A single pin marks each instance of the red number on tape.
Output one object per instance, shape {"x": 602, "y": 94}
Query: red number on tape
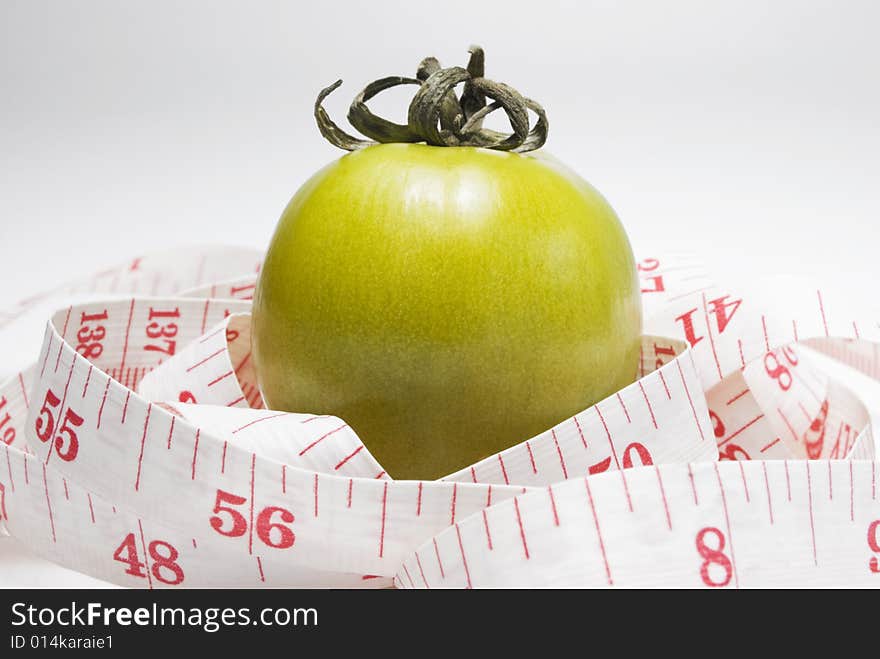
{"x": 286, "y": 538}
{"x": 168, "y": 562}
{"x": 649, "y": 265}
{"x": 874, "y": 545}
{"x": 641, "y": 451}
{"x": 713, "y": 557}
{"x": 89, "y": 337}
{"x": 850, "y": 437}
{"x": 669, "y": 351}
{"x": 722, "y": 310}
{"x": 239, "y": 523}
{"x": 71, "y": 420}
{"x": 45, "y": 425}
{"x": 8, "y": 434}
{"x": 186, "y": 397}
{"x": 163, "y": 562}
{"x": 162, "y": 331}
{"x": 599, "y": 467}
{"x": 264, "y": 524}
{"x": 129, "y": 547}
{"x": 814, "y": 437}
{"x": 3, "y": 514}
{"x": 730, "y": 452}
{"x": 717, "y": 425}
{"x": 777, "y": 371}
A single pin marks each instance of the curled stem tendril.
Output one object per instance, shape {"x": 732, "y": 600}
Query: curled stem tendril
{"x": 436, "y": 115}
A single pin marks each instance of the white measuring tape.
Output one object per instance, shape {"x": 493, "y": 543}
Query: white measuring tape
{"x": 137, "y": 450}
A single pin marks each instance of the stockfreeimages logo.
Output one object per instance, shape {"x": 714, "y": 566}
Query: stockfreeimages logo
{"x": 95, "y": 614}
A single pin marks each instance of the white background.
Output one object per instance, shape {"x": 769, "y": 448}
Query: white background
{"x": 744, "y": 130}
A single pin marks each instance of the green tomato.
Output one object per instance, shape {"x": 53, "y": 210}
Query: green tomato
{"x": 446, "y": 302}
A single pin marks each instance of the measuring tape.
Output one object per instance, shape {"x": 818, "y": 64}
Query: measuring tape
{"x": 137, "y": 449}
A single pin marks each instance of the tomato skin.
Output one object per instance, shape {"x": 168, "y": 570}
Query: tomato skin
{"x": 446, "y": 302}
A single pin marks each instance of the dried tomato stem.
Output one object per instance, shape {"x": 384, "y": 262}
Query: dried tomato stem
{"x": 436, "y": 115}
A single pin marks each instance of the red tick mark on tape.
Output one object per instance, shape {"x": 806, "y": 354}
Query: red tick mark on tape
{"x": 771, "y": 444}
{"x": 690, "y": 400}
{"x": 127, "y": 333}
{"x": 810, "y": 505}
{"x": 742, "y": 472}
{"x": 625, "y": 411}
{"x": 452, "y": 506}
{"x": 103, "y": 402}
{"x": 467, "y": 572}
{"x": 9, "y": 468}
{"x": 382, "y": 529}
{"x": 486, "y": 526}
{"x": 406, "y": 572}
{"x": 49, "y": 504}
{"x": 559, "y": 453}
{"x": 744, "y": 428}
{"x": 195, "y": 453}
{"x": 146, "y": 555}
{"x": 852, "y": 503}
{"x": 315, "y": 487}
{"x": 503, "y": 470}
{"x": 665, "y": 386}
{"x": 63, "y": 335}
{"x": 553, "y": 505}
{"x": 727, "y": 524}
{"x": 439, "y": 562}
{"x": 125, "y": 406}
{"x": 648, "y": 403}
{"x": 830, "y": 485}
{"x": 767, "y": 485}
{"x": 348, "y": 457}
{"x": 822, "y": 311}
{"x": 663, "y": 497}
{"x": 220, "y": 378}
{"x": 522, "y": 532}
{"x": 693, "y": 485}
{"x": 421, "y": 571}
{"x": 24, "y": 391}
{"x": 210, "y": 336}
{"x": 206, "y": 359}
{"x": 137, "y": 480}
{"x": 599, "y": 532}
{"x": 205, "y": 315}
{"x": 787, "y": 424}
{"x": 85, "y": 386}
{"x": 265, "y": 418}
{"x": 322, "y": 438}
{"x": 531, "y": 457}
{"x": 580, "y": 431}
{"x": 46, "y": 358}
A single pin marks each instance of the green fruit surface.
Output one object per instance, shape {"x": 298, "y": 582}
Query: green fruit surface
{"x": 446, "y": 302}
